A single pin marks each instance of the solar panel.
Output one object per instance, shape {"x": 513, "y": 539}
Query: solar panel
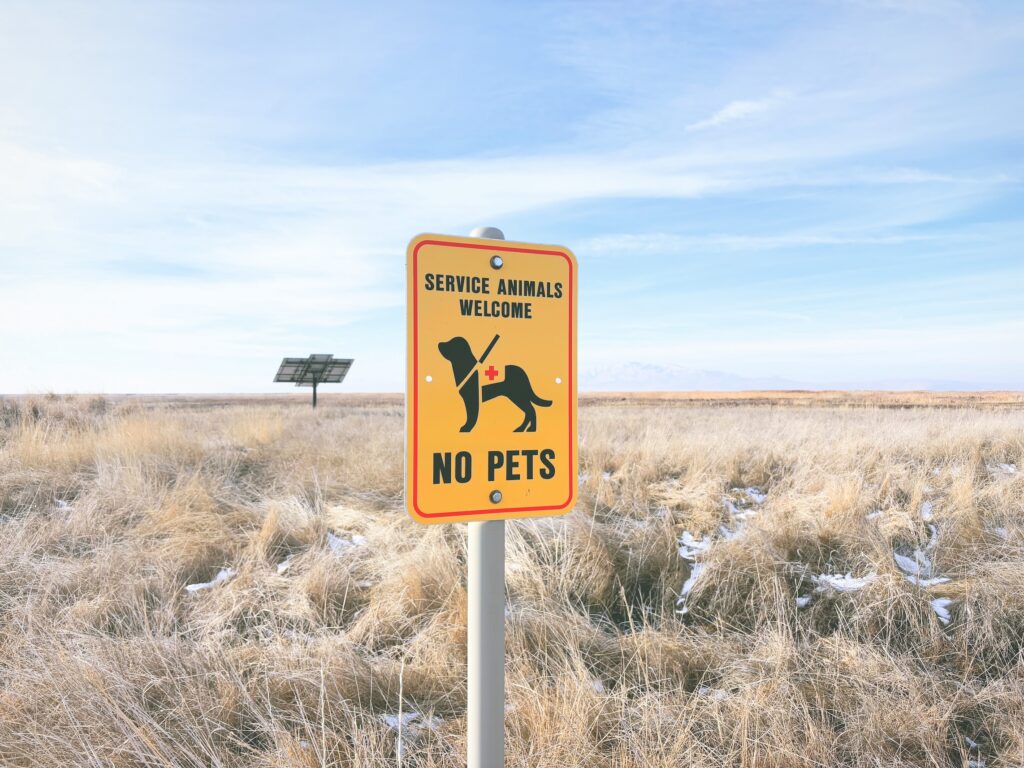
{"x": 313, "y": 370}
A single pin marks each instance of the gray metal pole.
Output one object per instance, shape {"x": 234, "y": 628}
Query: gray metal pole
{"x": 486, "y": 631}
{"x": 486, "y": 645}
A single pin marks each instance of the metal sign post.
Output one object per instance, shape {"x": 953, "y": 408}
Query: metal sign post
{"x": 491, "y": 429}
{"x": 485, "y": 651}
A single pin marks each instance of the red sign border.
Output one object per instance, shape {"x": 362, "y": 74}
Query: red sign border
{"x": 416, "y": 379}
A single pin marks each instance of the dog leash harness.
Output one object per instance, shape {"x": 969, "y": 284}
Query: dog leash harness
{"x": 479, "y": 362}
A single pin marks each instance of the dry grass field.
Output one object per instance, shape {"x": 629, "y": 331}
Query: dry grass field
{"x": 745, "y": 582}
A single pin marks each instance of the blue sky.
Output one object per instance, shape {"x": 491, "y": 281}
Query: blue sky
{"x": 819, "y": 194}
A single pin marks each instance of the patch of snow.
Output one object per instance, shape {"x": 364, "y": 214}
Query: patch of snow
{"x": 874, "y": 515}
{"x": 918, "y": 565}
{"x": 284, "y": 565}
{"x": 584, "y": 477}
{"x": 223, "y": 575}
{"x": 606, "y": 475}
{"x": 742, "y": 509}
{"x": 803, "y": 602}
{"x": 843, "y": 583}
{"x": 410, "y": 727}
{"x": 695, "y": 572}
{"x": 928, "y": 582}
{"x": 917, "y": 568}
{"x": 756, "y": 495}
{"x": 339, "y": 545}
{"x": 927, "y": 511}
{"x": 597, "y": 685}
{"x": 728, "y": 533}
{"x": 941, "y": 607}
{"x": 1002, "y": 533}
{"x": 397, "y": 721}
{"x": 62, "y": 505}
{"x": 973, "y": 746}
{"x": 1002, "y": 469}
{"x": 689, "y": 547}
{"x": 716, "y": 693}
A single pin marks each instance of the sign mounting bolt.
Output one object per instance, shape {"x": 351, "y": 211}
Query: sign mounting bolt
{"x": 495, "y": 497}
{"x": 497, "y": 262}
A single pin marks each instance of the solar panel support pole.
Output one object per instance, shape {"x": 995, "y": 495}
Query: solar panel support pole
{"x": 313, "y": 371}
{"x": 486, "y": 631}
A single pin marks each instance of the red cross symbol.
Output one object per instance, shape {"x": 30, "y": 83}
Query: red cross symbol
{"x": 490, "y": 373}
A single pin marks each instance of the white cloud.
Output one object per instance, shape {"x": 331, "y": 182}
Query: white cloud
{"x": 737, "y": 110}
{"x": 662, "y": 243}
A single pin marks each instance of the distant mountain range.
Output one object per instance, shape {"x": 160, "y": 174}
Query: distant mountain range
{"x": 652, "y": 377}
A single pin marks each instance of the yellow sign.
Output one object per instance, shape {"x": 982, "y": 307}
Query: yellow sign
{"x": 491, "y": 379}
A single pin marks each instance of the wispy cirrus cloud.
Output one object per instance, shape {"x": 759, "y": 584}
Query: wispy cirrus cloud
{"x": 739, "y": 110}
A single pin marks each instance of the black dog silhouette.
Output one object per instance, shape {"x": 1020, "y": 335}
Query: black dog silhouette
{"x": 516, "y": 386}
